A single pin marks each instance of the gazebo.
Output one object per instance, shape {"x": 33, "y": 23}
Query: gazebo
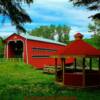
{"x": 79, "y": 76}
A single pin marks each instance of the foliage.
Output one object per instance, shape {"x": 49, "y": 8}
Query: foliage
{"x": 95, "y": 28}
{"x": 1, "y": 48}
{"x": 96, "y": 39}
{"x": 13, "y": 9}
{"x": 95, "y": 62}
{"x": 49, "y": 32}
{"x": 94, "y": 42}
{"x": 18, "y": 80}
{"x": 90, "y": 41}
{"x": 90, "y": 4}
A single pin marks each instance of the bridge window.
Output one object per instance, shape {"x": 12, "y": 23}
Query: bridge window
{"x": 42, "y": 52}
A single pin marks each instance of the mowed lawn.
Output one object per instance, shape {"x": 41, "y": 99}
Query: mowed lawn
{"x": 18, "y": 80}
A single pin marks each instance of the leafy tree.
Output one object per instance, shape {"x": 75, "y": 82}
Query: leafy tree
{"x": 1, "y": 47}
{"x": 90, "y": 4}
{"x": 92, "y": 28}
{"x": 13, "y": 9}
{"x": 95, "y": 27}
{"x": 49, "y": 32}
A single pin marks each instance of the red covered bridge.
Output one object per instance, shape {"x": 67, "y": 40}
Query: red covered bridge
{"x": 34, "y": 50}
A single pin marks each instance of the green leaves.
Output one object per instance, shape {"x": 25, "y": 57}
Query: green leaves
{"x": 90, "y": 4}
{"x": 49, "y": 32}
{"x": 95, "y": 28}
{"x": 17, "y": 15}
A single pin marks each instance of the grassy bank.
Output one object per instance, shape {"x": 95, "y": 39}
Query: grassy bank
{"x": 18, "y": 80}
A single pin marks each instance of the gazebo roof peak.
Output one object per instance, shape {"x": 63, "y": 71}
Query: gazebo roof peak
{"x": 78, "y": 36}
{"x": 80, "y": 48}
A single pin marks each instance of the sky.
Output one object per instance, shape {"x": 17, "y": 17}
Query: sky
{"x": 56, "y": 12}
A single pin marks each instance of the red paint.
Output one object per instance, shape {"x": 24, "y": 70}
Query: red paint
{"x": 69, "y": 60}
{"x": 79, "y": 48}
{"x": 80, "y": 79}
{"x": 28, "y": 52}
{"x": 40, "y": 62}
{"x": 73, "y": 79}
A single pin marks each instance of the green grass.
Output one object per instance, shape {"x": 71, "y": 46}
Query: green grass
{"x": 18, "y": 80}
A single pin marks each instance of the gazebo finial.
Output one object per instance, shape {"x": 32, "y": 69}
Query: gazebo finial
{"x": 78, "y": 36}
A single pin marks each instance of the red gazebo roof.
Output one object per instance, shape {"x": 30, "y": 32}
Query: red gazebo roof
{"x": 79, "y": 48}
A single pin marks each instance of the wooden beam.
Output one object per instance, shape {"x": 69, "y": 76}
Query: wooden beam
{"x": 7, "y": 50}
{"x": 90, "y": 63}
{"x": 56, "y": 69}
{"x": 99, "y": 63}
{"x": 75, "y": 65}
{"x": 84, "y": 62}
{"x": 83, "y": 72}
{"x": 63, "y": 68}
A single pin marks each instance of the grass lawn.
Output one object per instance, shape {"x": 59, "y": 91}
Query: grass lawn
{"x": 18, "y": 80}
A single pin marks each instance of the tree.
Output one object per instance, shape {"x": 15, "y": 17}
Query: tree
{"x": 95, "y": 27}
{"x": 1, "y": 47}
{"x": 90, "y": 4}
{"x": 92, "y": 28}
{"x": 50, "y": 31}
{"x": 17, "y": 15}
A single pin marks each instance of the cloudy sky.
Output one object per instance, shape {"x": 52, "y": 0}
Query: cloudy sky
{"x": 57, "y": 12}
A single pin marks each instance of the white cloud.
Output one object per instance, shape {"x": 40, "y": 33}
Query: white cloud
{"x": 76, "y": 30}
{"x": 45, "y": 12}
{"x": 5, "y": 34}
{"x": 63, "y": 10}
{"x": 50, "y": 1}
{"x": 7, "y": 28}
{"x": 72, "y": 16}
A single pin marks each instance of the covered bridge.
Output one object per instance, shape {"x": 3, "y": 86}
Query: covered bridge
{"x": 34, "y": 50}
